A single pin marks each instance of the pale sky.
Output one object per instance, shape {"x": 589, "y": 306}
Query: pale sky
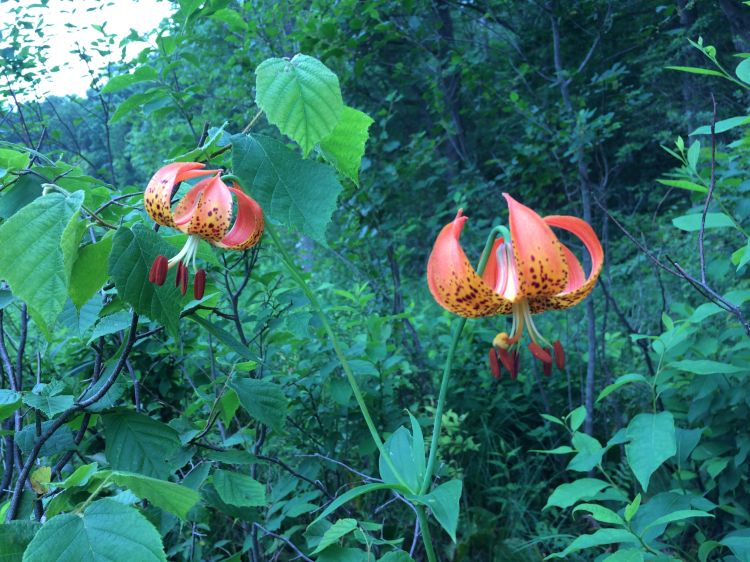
{"x": 121, "y": 16}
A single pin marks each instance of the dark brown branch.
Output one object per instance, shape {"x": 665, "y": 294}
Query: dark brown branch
{"x": 65, "y": 416}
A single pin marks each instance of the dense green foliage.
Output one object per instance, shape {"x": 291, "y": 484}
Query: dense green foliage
{"x": 141, "y": 424}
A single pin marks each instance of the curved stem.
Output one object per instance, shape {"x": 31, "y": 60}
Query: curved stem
{"x": 297, "y": 276}
{"x": 426, "y": 537}
{"x": 458, "y": 327}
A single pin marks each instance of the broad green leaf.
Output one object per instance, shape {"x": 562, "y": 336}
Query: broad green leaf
{"x": 61, "y": 440}
{"x": 301, "y": 194}
{"x": 337, "y": 553}
{"x": 265, "y": 401}
{"x": 137, "y": 443}
{"x": 171, "y": 497}
{"x": 26, "y": 189}
{"x": 301, "y": 96}
{"x": 106, "y": 532}
{"x": 443, "y": 501}
{"x": 589, "y": 454}
{"x": 364, "y": 368}
{"x": 111, "y": 397}
{"x": 707, "y": 367}
{"x": 619, "y": 383}
{"x": 89, "y": 271}
{"x": 677, "y": 516}
{"x": 345, "y": 146}
{"x": 600, "y": 513}
{"x": 111, "y": 324}
{"x": 571, "y": 493}
{"x": 577, "y": 417}
{"x": 353, "y": 494}
{"x": 705, "y": 549}
{"x": 133, "y": 252}
{"x": 743, "y": 71}
{"x": 696, "y": 70}
{"x": 652, "y": 441}
{"x": 49, "y": 405}
{"x": 6, "y": 298}
{"x": 232, "y": 18}
{"x": 141, "y": 74}
{"x": 723, "y": 126}
{"x": 399, "y": 449}
{"x": 9, "y": 402}
{"x": 335, "y": 532}
{"x": 238, "y": 489}
{"x": 33, "y": 263}
{"x": 396, "y": 556}
{"x": 137, "y": 101}
{"x": 739, "y": 543}
{"x": 625, "y": 555}
{"x": 80, "y": 477}
{"x": 692, "y": 223}
{"x": 12, "y": 160}
{"x": 600, "y": 537}
{"x": 14, "y": 537}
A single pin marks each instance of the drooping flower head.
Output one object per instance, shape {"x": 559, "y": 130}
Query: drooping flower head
{"x": 530, "y": 273}
{"x": 205, "y": 212}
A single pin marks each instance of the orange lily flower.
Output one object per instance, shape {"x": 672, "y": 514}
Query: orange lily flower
{"x": 530, "y": 273}
{"x": 205, "y": 212}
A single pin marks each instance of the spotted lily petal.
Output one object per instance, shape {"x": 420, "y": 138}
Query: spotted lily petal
{"x": 206, "y": 210}
{"x": 158, "y": 195}
{"x": 248, "y": 226}
{"x": 453, "y": 281}
{"x": 539, "y": 255}
{"x": 575, "y": 294}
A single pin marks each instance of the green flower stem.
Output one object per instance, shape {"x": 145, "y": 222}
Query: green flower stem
{"x": 458, "y": 327}
{"x": 297, "y": 276}
{"x": 425, "y": 530}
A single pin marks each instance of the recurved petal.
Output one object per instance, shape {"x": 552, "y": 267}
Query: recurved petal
{"x": 158, "y": 195}
{"x": 453, "y": 282}
{"x": 248, "y": 226}
{"x": 576, "y": 276}
{"x": 572, "y": 296}
{"x": 539, "y": 256}
{"x": 206, "y": 210}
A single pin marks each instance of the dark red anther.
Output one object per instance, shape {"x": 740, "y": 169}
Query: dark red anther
{"x": 178, "y": 275}
{"x": 158, "y": 273}
{"x": 199, "y": 284}
{"x": 494, "y": 364}
{"x": 516, "y": 364}
{"x": 540, "y": 353}
{"x": 183, "y": 274}
{"x": 559, "y": 355}
{"x": 547, "y": 369}
{"x": 509, "y": 360}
